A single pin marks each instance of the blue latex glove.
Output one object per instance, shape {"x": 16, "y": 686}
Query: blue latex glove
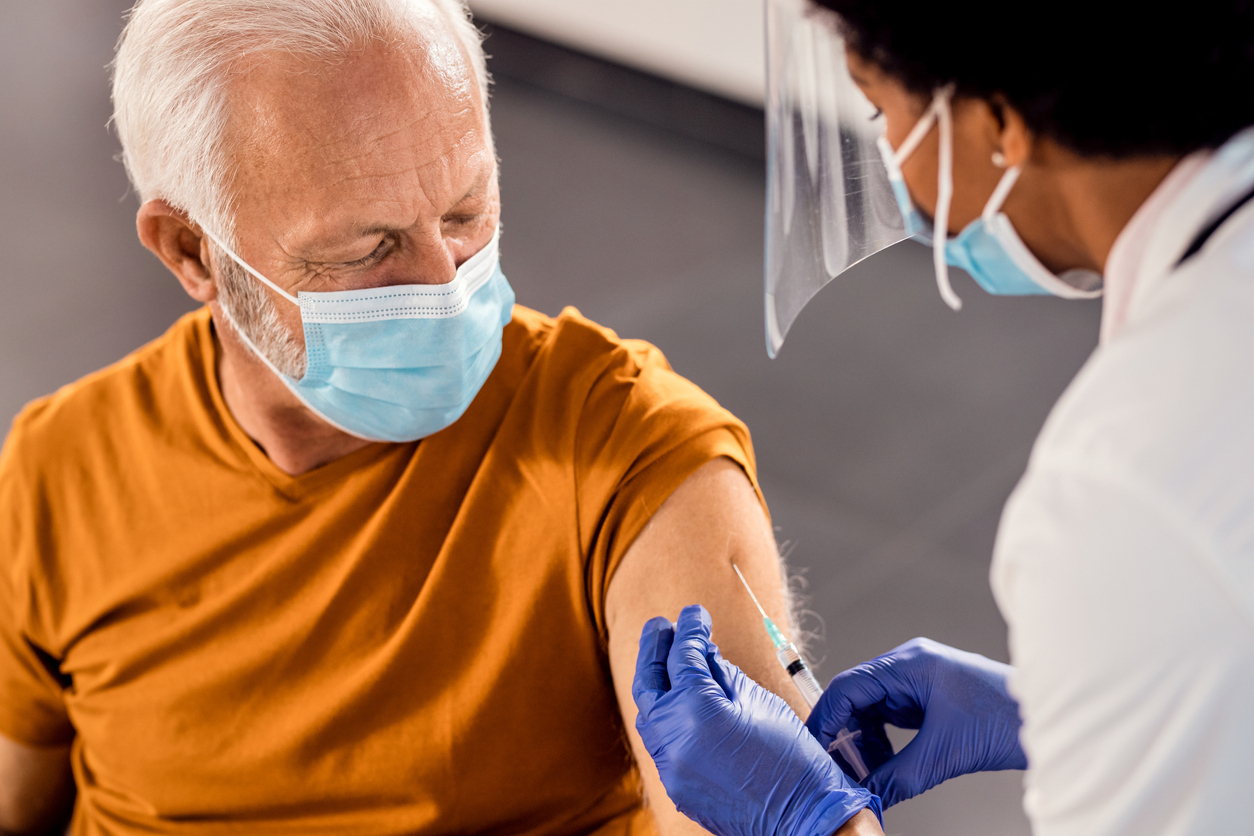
{"x": 732, "y": 755}
{"x": 966, "y": 718}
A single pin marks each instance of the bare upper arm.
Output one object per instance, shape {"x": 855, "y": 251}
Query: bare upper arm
{"x": 683, "y": 557}
{"x": 36, "y": 786}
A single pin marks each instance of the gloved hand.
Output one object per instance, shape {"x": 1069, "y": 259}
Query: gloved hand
{"x": 732, "y": 755}
{"x": 967, "y": 720}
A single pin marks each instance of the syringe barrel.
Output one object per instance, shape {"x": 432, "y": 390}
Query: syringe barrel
{"x": 791, "y": 659}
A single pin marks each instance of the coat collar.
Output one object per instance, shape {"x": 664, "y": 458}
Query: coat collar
{"x": 1145, "y": 254}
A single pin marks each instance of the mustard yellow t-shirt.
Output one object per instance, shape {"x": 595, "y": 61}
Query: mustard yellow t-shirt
{"x": 407, "y": 640}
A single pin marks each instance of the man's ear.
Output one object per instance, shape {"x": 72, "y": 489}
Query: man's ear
{"x": 180, "y": 245}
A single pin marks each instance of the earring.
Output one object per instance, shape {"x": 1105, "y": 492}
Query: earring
{"x": 999, "y": 159}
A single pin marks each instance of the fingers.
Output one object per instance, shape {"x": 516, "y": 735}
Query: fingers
{"x": 874, "y": 744}
{"x": 651, "y": 680}
{"x": 724, "y": 672}
{"x": 908, "y": 773}
{"x": 688, "y": 664}
{"x": 887, "y": 783}
{"x": 850, "y": 692}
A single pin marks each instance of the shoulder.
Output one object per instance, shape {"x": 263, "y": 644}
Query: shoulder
{"x": 1171, "y": 400}
{"x": 613, "y": 399}
{"x": 132, "y": 394}
{"x": 1164, "y": 415}
{"x": 576, "y": 361}
{"x": 571, "y": 344}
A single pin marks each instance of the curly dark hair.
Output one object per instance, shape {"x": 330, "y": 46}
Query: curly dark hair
{"x": 1101, "y": 77}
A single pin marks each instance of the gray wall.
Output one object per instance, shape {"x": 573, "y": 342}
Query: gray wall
{"x": 79, "y": 291}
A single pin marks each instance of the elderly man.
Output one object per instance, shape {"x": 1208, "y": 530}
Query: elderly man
{"x": 359, "y": 547}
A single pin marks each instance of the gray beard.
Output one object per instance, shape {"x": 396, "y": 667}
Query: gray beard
{"x": 250, "y": 311}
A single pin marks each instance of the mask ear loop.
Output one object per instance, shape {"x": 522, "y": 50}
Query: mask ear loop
{"x": 999, "y": 195}
{"x": 289, "y": 297}
{"x": 917, "y": 133}
{"x": 944, "y": 197}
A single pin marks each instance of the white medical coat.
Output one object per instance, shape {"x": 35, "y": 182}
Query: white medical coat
{"x": 1124, "y": 564}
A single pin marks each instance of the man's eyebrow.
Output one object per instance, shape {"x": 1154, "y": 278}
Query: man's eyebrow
{"x": 378, "y": 229}
{"x": 480, "y": 184}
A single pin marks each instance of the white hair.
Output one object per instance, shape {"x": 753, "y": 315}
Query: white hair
{"x": 174, "y": 64}
{"x": 252, "y": 314}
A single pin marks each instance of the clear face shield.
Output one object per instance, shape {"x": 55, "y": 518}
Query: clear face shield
{"x": 829, "y": 202}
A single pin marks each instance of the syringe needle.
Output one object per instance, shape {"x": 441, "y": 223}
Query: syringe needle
{"x": 750, "y": 591}
{"x": 786, "y": 652}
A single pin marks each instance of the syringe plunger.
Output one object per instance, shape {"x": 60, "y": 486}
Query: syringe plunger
{"x": 810, "y": 692}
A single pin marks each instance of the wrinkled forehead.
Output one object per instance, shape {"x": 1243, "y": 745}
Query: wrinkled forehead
{"x": 370, "y": 124}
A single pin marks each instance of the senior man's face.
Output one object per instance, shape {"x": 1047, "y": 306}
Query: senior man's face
{"x": 375, "y": 171}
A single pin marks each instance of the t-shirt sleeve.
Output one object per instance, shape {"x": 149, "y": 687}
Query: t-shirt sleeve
{"x": 32, "y": 708}
{"x": 643, "y": 431}
{"x": 1134, "y": 659}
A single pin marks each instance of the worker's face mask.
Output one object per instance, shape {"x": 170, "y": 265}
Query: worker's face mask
{"x": 402, "y": 362}
{"x": 988, "y": 248}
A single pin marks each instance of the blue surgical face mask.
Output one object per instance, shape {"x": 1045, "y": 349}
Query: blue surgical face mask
{"x": 399, "y": 363}
{"x": 988, "y": 248}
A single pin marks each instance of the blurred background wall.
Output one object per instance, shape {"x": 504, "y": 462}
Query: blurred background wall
{"x": 888, "y": 433}
{"x": 715, "y": 45}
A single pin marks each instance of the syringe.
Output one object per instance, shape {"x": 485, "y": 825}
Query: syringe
{"x": 809, "y": 687}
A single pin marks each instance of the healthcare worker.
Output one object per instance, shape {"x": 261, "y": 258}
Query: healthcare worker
{"x": 1065, "y": 148}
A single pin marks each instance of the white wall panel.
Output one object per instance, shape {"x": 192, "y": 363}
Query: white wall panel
{"x": 716, "y": 45}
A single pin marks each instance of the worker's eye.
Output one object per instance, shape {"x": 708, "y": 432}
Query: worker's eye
{"x": 879, "y": 111}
